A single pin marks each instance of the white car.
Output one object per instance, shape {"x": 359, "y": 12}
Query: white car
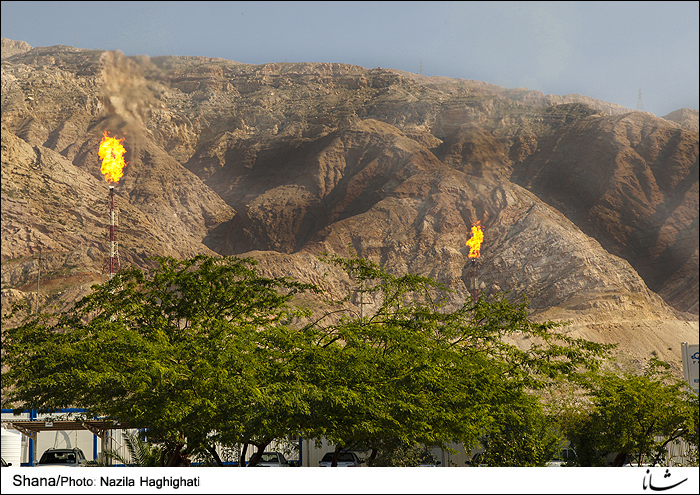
{"x": 345, "y": 459}
{"x": 62, "y": 458}
{"x": 272, "y": 459}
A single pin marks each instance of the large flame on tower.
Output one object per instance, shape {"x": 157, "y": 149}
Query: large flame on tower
{"x": 112, "y": 154}
{"x": 475, "y": 242}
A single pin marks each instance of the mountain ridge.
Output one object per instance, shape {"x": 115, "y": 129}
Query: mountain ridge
{"x": 589, "y": 211}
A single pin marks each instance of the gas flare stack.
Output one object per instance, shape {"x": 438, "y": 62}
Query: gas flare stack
{"x": 112, "y": 154}
{"x": 474, "y": 279}
{"x": 111, "y": 265}
{"x": 474, "y": 244}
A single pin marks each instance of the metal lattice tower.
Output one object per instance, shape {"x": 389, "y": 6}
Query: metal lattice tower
{"x": 640, "y": 104}
{"x": 474, "y": 279}
{"x": 111, "y": 265}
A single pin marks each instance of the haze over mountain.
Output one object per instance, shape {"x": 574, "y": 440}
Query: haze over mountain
{"x": 589, "y": 209}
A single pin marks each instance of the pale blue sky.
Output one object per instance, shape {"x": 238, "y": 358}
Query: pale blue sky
{"x": 605, "y": 50}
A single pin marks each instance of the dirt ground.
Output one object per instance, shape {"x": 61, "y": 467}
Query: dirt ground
{"x": 637, "y": 340}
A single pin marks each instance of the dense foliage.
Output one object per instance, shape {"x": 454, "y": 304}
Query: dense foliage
{"x": 411, "y": 372}
{"x": 207, "y": 351}
{"x": 393, "y": 453}
{"x": 180, "y": 350}
{"x": 523, "y": 437}
{"x": 633, "y": 416}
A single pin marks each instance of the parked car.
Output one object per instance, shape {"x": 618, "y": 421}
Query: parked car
{"x": 345, "y": 459}
{"x": 565, "y": 455}
{"x": 272, "y": 459}
{"x": 63, "y": 457}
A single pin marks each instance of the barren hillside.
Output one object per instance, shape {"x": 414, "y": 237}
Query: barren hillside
{"x": 589, "y": 209}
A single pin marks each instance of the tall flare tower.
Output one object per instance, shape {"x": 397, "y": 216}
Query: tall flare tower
{"x": 474, "y": 244}
{"x": 112, "y": 154}
{"x": 111, "y": 265}
{"x": 474, "y": 279}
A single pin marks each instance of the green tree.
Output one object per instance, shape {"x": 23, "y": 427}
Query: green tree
{"x": 184, "y": 350}
{"x": 636, "y": 415}
{"x": 277, "y": 395}
{"x": 413, "y": 373}
{"x": 206, "y": 351}
{"x": 525, "y": 436}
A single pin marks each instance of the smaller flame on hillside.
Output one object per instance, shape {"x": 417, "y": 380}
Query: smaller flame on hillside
{"x": 112, "y": 154}
{"x": 475, "y": 242}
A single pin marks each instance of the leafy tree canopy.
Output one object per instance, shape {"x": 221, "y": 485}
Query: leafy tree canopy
{"x": 412, "y": 372}
{"x": 206, "y": 350}
{"x": 636, "y": 415}
{"x": 523, "y": 437}
{"x": 185, "y": 350}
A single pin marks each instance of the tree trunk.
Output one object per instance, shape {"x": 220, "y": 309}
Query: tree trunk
{"x": 185, "y": 457}
{"x": 619, "y": 459}
{"x": 174, "y": 459}
{"x": 212, "y": 450}
{"x": 258, "y": 454}
{"x": 241, "y": 460}
{"x": 336, "y": 453}
{"x": 372, "y": 457}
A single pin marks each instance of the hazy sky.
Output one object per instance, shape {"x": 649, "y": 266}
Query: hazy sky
{"x": 605, "y": 50}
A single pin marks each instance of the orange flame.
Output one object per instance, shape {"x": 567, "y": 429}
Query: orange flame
{"x": 475, "y": 242}
{"x": 112, "y": 154}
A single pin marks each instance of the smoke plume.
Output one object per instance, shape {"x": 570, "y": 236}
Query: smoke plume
{"x": 125, "y": 94}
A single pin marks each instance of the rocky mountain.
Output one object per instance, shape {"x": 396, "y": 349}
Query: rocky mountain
{"x": 12, "y": 47}
{"x": 589, "y": 209}
{"x": 686, "y": 117}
